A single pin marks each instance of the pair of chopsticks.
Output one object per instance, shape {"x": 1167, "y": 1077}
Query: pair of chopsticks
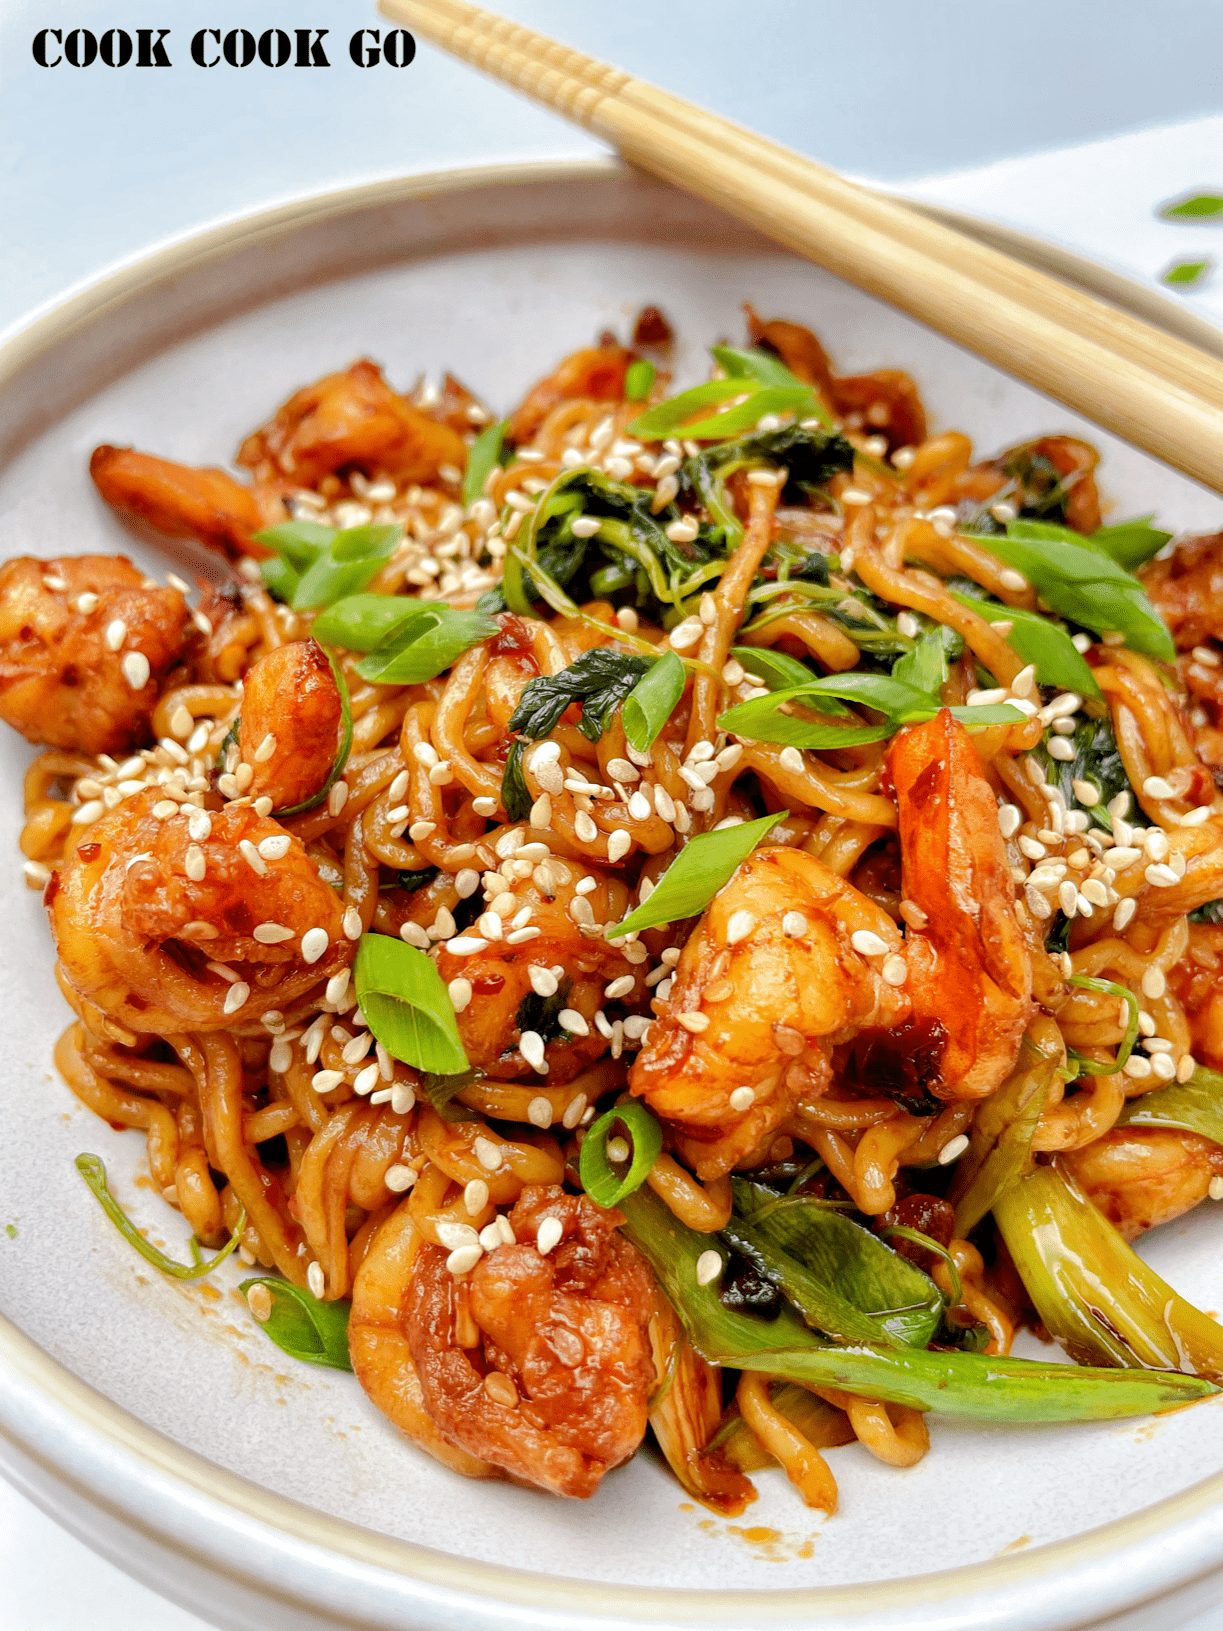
{"x": 1147, "y": 386}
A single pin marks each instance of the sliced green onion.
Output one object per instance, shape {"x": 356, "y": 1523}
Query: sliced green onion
{"x": 365, "y": 622}
{"x": 407, "y": 1006}
{"x": 92, "y": 1169}
{"x": 776, "y": 669}
{"x": 484, "y": 456}
{"x": 345, "y": 566}
{"x": 341, "y": 753}
{"x": 917, "y": 1238}
{"x": 302, "y": 1326}
{"x": 768, "y": 399}
{"x": 770, "y": 370}
{"x": 1195, "y": 1106}
{"x": 670, "y": 415}
{"x": 607, "y": 1185}
{"x": 298, "y": 542}
{"x": 652, "y": 700}
{"x": 1130, "y": 543}
{"x": 1193, "y": 207}
{"x": 701, "y": 868}
{"x": 1045, "y": 645}
{"x": 638, "y": 379}
{"x": 1192, "y": 270}
{"x": 279, "y": 578}
{"x": 1110, "y": 988}
{"x": 427, "y": 646}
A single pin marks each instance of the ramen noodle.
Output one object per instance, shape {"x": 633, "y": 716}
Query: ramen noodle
{"x": 678, "y": 911}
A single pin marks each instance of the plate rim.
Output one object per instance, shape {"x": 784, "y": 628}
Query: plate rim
{"x": 56, "y": 1429}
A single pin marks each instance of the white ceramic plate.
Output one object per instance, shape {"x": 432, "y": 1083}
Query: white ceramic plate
{"x": 155, "y": 1419}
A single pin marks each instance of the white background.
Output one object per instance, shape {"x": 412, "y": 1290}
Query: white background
{"x": 1040, "y": 115}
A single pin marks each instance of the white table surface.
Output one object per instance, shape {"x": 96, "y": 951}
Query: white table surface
{"x": 1070, "y": 121}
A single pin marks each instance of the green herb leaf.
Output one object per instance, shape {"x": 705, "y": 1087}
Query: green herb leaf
{"x": 92, "y": 1169}
{"x": 302, "y": 1326}
{"x": 1130, "y": 543}
{"x": 668, "y": 416}
{"x": 842, "y": 1279}
{"x": 1192, "y": 207}
{"x": 1096, "y": 1296}
{"x": 702, "y": 867}
{"x": 964, "y": 1386}
{"x": 652, "y": 700}
{"x": 298, "y": 542}
{"x": 776, "y": 669}
{"x": 638, "y": 379}
{"x": 365, "y": 622}
{"x": 515, "y": 794}
{"x": 341, "y": 752}
{"x": 407, "y": 1006}
{"x": 735, "y": 421}
{"x": 767, "y": 369}
{"x": 1195, "y": 1106}
{"x": 427, "y": 646}
{"x": 599, "y": 680}
{"x": 483, "y": 457}
{"x": 1084, "y": 583}
{"x": 606, "y": 1183}
{"x": 925, "y": 667}
{"x": 1097, "y": 760}
{"x": 1038, "y": 640}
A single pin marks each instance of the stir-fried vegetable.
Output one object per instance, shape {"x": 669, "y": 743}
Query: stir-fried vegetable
{"x": 316, "y": 565}
{"x": 1097, "y": 761}
{"x": 427, "y": 646}
{"x": 302, "y": 1326}
{"x": 598, "y": 681}
{"x": 93, "y": 1170}
{"x": 1195, "y": 1106}
{"x": 842, "y": 1279}
{"x": 1096, "y": 1296}
{"x": 607, "y": 1179}
{"x": 966, "y": 1386}
{"x": 483, "y": 459}
{"x": 696, "y": 874}
{"x": 1037, "y": 639}
{"x": 406, "y": 1005}
{"x": 652, "y": 700}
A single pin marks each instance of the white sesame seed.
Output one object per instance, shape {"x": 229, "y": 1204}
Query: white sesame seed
{"x": 743, "y": 1098}
{"x": 1215, "y": 1189}
{"x": 585, "y": 526}
{"x": 1155, "y": 787}
{"x": 324, "y": 1080}
{"x": 464, "y": 1258}
{"x": 465, "y": 945}
{"x": 867, "y": 943}
{"x": 1068, "y": 898}
{"x": 894, "y": 970}
{"x": 352, "y": 923}
{"x": 460, "y": 992}
{"x": 236, "y": 996}
{"x": 116, "y": 634}
{"x": 739, "y": 926}
{"x": 1155, "y": 841}
{"x": 792, "y": 760}
{"x": 539, "y": 1112}
{"x": 484, "y": 806}
{"x": 1164, "y": 1066}
{"x": 619, "y": 987}
{"x": 193, "y": 863}
{"x": 414, "y": 934}
{"x": 314, "y": 944}
{"x": 136, "y": 671}
{"x": 794, "y": 924}
{"x": 686, "y": 634}
{"x": 908, "y": 625}
{"x": 403, "y": 1098}
{"x": 1010, "y": 819}
{"x": 1186, "y": 1067}
{"x": 952, "y": 1150}
{"x": 1153, "y": 983}
{"x": 1012, "y": 580}
{"x": 1032, "y": 848}
{"x": 543, "y": 981}
{"x": 354, "y": 1051}
{"x": 1096, "y": 892}
{"x": 316, "y": 1280}
{"x": 574, "y": 1111}
{"x": 1124, "y": 913}
{"x": 1136, "y": 1066}
{"x": 692, "y": 1021}
{"x": 520, "y": 936}
{"x": 548, "y": 1235}
{"x": 1160, "y": 876}
{"x": 420, "y": 830}
{"x": 487, "y": 1153}
{"x": 399, "y": 1178}
{"x": 367, "y": 1080}
{"x": 573, "y": 1022}
{"x": 531, "y": 1046}
{"x": 708, "y": 1267}
{"x": 1086, "y": 792}
{"x": 475, "y": 1196}
{"x": 1059, "y": 748}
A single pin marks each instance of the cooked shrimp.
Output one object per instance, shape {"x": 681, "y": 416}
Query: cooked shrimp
{"x": 161, "y": 948}
{"x": 539, "y": 1364}
{"x": 351, "y": 419}
{"x": 290, "y": 723}
{"x": 379, "y": 1349}
{"x": 790, "y": 961}
{"x": 579, "y": 966}
{"x": 1186, "y": 589}
{"x": 1143, "y": 1176}
{"x": 185, "y": 502}
{"x": 596, "y": 372}
{"x": 73, "y": 633}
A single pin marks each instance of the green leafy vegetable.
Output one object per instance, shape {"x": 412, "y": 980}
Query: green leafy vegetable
{"x": 1097, "y": 760}
{"x": 300, "y": 543}
{"x": 1000, "y": 1139}
{"x": 701, "y": 868}
{"x": 482, "y": 459}
{"x": 342, "y": 751}
{"x": 1195, "y": 1106}
{"x": 776, "y": 669}
{"x": 406, "y": 1005}
{"x": 427, "y": 646}
{"x": 1210, "y": 912}
{"x": 542, "y": 1014}
{"x": 1185, "y": 272}
{"x": 92, "y": 1169}
{"x": 809, "y": 454}
{"x": 1192, "y": 207}
{"x": 1096, "y": 1296}
{"x": 599, "y": 680}
{"x": 515, "y": 794}
{"x": 442, "y": 1090}
{"x": 302, "y": 1326}
{"x": 967, "y": 1386}
{"x": 638, "y": 379}
{"x": 842, "y": 1279}
{"x": 925, "y": 667}
{"x": 608, "y": 1182}
{"x": 365, "y": 622}
{"x": 682, "y": 415}
{"x": 1038, "y": 640}
{"x": 767, "y": 369}
{"x": 652, "y": 700}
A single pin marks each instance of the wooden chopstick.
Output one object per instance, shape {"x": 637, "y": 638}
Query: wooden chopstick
{"x": 1149, "y": 387}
